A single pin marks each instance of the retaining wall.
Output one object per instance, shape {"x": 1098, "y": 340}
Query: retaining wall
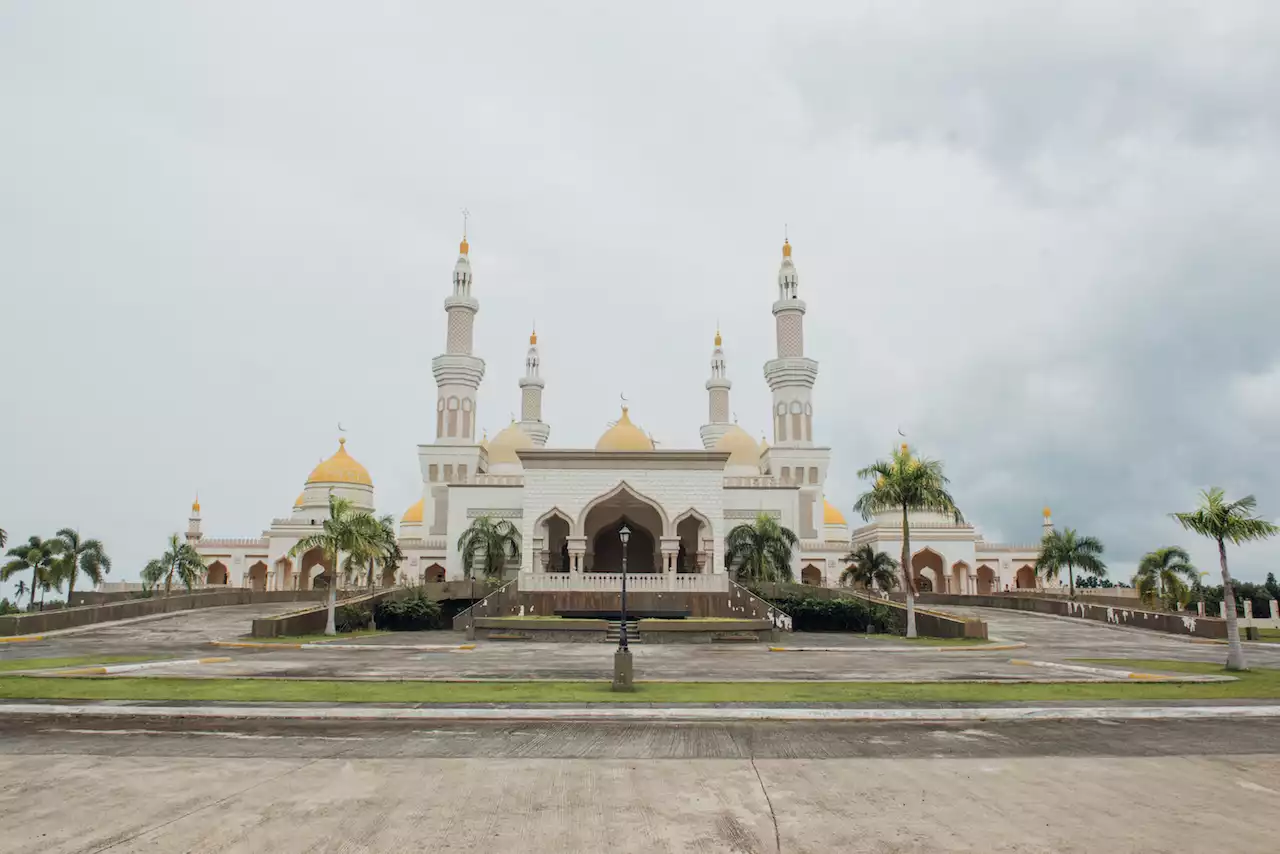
{"x": 929, "y": 623}
{"x": 1176, "y": 624}
{"x": 313, "y": 620}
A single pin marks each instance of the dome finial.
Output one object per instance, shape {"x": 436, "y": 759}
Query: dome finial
{"x": 533, "y": 336}
{"x": 786, "y": 242}
{"x": 718, "y": 339}
{"x": 195, "y": 505}
{"x": 1046, "y": 513}
{"x": 464, "y": 247}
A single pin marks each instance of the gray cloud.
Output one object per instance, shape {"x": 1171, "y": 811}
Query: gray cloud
{"x": 1040, "y": 240}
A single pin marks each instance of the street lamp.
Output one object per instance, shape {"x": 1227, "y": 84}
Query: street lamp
{"x": 622, "y": 658}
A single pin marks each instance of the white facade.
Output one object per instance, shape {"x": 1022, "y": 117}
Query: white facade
{"x": 568, "y": 504}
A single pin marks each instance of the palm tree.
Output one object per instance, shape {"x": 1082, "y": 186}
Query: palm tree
{"x": 346, "y": 530}
{"x": 488, "y": 546}
{"x": 1165, "y": 574}
{"x": 870, "y": 568}
{"x": 1222, "y": 520}
{"x": 760, "y": 551}
{"x": 907, "y": 483}
{"x": 1067, "y": 549}
{"x": 76, "y": 556}
{"x": 383, "y": 552}
{"x": 4, "y": 537}
{"x": 22, "y": 587}
{"x": 181, "y": 560}
{"x": 35, "y": 556}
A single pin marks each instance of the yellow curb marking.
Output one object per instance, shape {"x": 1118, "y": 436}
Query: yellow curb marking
{"x": 212, "y": 660}
{"x": 467, "y": 646}
{"x": 22, "y": 639}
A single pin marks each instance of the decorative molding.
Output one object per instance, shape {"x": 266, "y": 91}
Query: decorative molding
{"x": 495, "y": 513}
{"x": 750, "y": 515}
{"x": 555, "y": 458}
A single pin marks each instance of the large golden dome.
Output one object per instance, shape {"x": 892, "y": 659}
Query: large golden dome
{"x": 743, "y": 450}
{"x": 414, "y": 514}
{"x": 503, "y": 447}
{"x": 831, "y": 515}
{"x": 340, "y": 468}
{"x": 624, "y": 436}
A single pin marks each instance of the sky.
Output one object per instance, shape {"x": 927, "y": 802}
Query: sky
{"x": 1039, "y": 238}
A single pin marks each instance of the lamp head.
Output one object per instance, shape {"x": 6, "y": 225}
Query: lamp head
{"x": 624, "y": 534}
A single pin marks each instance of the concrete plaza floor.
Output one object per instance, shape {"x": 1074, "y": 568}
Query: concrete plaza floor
{"x": 125, "y": 786}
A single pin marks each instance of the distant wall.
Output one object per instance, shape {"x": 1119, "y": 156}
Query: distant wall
{"x": 929, "y": 623}
{"x": 67, "y": 618}
{"x": 1176, "y": 624}
{"x": 312, "y": 620}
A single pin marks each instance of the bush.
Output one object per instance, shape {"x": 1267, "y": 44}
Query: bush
{"x": 7, "y": 607}
{"x": 351, "y": 618}
{"x": 413, "y": 611}
{"x": 839, "y": 615}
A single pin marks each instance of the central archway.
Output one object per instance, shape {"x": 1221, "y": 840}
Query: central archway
{"x": 601, "y": 521}
{"x": 1026, "y": 578}
{"x": 217, "y": 574}
{"x": 927, "y": 566}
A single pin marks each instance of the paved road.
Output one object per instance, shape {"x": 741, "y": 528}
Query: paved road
{"x": 120, "y": 786}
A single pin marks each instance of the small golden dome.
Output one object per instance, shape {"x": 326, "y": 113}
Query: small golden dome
{"x": 195, "y": 505}
{"x": 786, "y": 249}
{"x": 831, "y": 515}
{"x": 624, "y": 436}
{"x": 298, "y": 502}
{"x": 464, "y": 247}
{"x": 743, "y": 450}
{"x": 718, "y": 338}
{"x": 1046, "y": 512}
{"x": 414, "y": 514}
{"x": 905, "y": 452}
{"x": 504, "y": 445}
{"x": 533, "y": 338}
{"x": 340, "y": 468}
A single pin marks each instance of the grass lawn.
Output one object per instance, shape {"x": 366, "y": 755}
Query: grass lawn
{"x": 73, "y": 661}
{"x": 320, "y": 638}
{"x": 1269, "y": 635}
{"x": 923, "y": 641}
{"x": 1261, "y": 684}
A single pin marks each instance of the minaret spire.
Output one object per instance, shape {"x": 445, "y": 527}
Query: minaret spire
{"x": 791, "y": 376}
{"x": 457, "y": 371}
{"x": 718, "y": 386}
{"x": 531, "y": 386}
{"x": 193, "y": 522}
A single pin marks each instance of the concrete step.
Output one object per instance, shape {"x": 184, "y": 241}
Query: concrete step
{"x": 615, "y": 628}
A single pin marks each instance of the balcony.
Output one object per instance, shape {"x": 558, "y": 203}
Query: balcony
{"x": 611, "y": 582}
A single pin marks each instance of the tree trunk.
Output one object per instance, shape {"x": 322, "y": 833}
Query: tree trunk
{"x": 35, "y": 572}
{"x": 1235, "y": 652}
{"x": 370, "y": 575}
{"x": 908, "y": 574}
{"x": 1071, "y": 581}
{"x": 331, "y": 623}
{"x": 71, "y": 582}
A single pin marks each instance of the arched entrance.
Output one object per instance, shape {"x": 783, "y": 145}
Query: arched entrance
{"x": 960, "y": 577}
{"x": 604, "y": 517}
{"x": 927, "y": 566}
{"x": 986, "y": 580}
{"x": 694, "y": 531}
{"x": 433, "y": 574}
{"x": 1026, "y": 578}
{"x": 811, "y": 575}
{"x": 258, "y": 577}
{"x": 553, "y": 529}
{"x": 311, "y": 560}
{"x": 388, "y": 576}
{"x": 217, "y": 574}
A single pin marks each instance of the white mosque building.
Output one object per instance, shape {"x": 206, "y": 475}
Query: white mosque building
{"x": 569, "y": 503}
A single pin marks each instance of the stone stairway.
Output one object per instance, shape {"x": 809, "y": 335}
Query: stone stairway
{"x": 615, "y": 628}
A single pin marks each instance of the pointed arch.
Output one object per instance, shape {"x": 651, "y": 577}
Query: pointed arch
{"x": 622, "y": 489}
{"x": 933, "y": 561}
{"x": 693, "y": 513}
{"x": 553, "y": 513}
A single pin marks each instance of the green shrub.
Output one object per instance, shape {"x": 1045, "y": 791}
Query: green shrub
{"x": 351, "y": 618}
{"x": 7, "y": 607}
{"x": 412, "y": 611}
{"x": 840, "y": 615}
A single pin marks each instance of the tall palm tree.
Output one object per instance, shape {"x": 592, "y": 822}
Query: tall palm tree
{"x": 870, "y": 568}
{"x": 4, "y": 537}
{"x": 1067, "y": 549}
{"x": 22, "y": 587}
{"x": 905, "y": 482}
{"x": 383, "y": 552}
{"x": 34, "y": 555}
{"x": 76, "y": 556}
{"x": 346, "y": 530}
{"x": 1221, "y": 520}
{"x": 1164, "y": 574}
{"x": 180, "y": 560}
{"x": 760, "y": 551}
{"x": 488, "y": 546}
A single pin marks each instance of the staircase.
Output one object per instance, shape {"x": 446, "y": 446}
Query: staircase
{"x": 615, "y": 629}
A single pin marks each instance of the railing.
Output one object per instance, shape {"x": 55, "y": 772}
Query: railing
{"x": 498, "y": 480}
{"x": 611, "y": 582}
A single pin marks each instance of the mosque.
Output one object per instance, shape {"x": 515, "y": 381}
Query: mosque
{"x": 570, "y": 503}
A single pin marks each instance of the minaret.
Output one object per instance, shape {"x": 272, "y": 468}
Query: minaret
{"x": 193, "y": 523}
{"x": 1048, "y": 523}
{"x": 531, "y": 385}
{"x": 717, "y": 399}
{"x": 791, "y": 375}
{"x": 457, "y": 371}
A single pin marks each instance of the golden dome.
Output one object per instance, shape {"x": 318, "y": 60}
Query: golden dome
{"x": 743, "y": 450}
{"x": 1046, "y": 512}
{"x": 905, "y": 452}
{"x": 414, "y": 514}
{"x": 340, "y": 468}
{"x": 786, "y": 249}
{"x": 504, "y": 445}
{"x": 464, "y": 247}
{"x": 717, "y": 337}
{"x": 831, "y": 515}
{"x": 195, "y": 505}
{"x": 301, "y": 495}
{"x": 624, "y": 436}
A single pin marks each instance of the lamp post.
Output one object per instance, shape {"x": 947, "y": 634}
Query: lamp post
{"x": 622, "y": 658}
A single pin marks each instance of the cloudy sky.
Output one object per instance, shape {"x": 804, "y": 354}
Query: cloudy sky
{"x": 1042, "y": 240}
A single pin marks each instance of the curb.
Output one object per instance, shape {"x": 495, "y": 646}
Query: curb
{"x": 21, "y": 638}
{"x": 982, "y": 648}
{"x": 1123, "y": 674}
{"x": 669, "y": 714}
{"x": 110, "y": 669}
{"x": 344, "y": 646}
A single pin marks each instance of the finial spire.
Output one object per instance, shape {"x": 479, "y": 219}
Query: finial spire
{"x": 464, "y": 247}
{"x": 533, "y": 336}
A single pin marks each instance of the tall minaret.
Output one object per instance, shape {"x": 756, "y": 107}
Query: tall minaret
{"x": 457, "y": 371}
{"x": 1048, "y": 523}
{"x": 531, "y": 385}
{"x": 717, "y": 399}
{"x": 193, "y": 523}
{"x": 791, "y": 375}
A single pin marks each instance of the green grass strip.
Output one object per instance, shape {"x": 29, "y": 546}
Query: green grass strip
{"x": 1256, "y": 684}
{"x": 320, "y": 638}
{"x": 73, "y": 661}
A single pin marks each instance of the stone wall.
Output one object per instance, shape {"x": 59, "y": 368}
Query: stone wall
{"x": 1177, "y": 624}
{"x": 929, "y": 623}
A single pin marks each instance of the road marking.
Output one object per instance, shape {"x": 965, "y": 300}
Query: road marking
{"x": 1254, "y": 787}
{"x": 111, "y": 669}
{"x": 22, "y": 639}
